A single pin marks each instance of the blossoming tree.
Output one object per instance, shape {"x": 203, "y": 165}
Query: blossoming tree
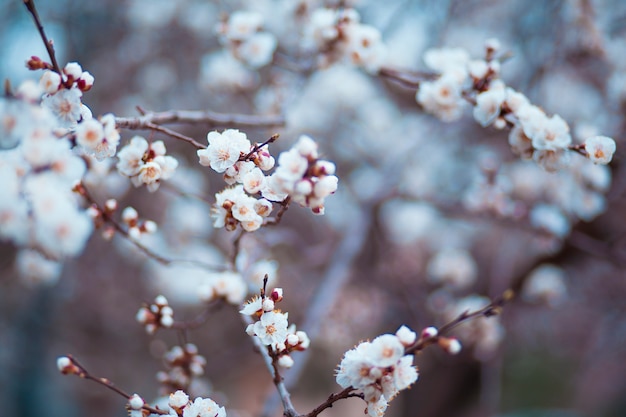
{"x": 406, "y": 190}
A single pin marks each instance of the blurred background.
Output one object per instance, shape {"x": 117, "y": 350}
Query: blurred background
{"x": 416, "y": 233}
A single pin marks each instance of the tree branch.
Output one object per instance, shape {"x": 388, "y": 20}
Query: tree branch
{"x": 328, "y": 291}
{"x": 288, "y": 408}
{"x": 205, "y": 117}
{"x": 30, "y": 5}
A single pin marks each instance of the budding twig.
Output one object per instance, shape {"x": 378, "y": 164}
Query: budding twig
{"x": 79, "y": 370}
{"x": 82, "y": 190}
{"x": 30, "y": 5}
{"x": 259, "y": 146}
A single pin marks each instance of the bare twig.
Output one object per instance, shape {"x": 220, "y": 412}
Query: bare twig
{"x": 333, "y": 398}
{"x": 169, "y": 187}
{"x": 406, "y": 78}
{"x": 201, "y": 117}
{"x": 174, "y": 134}
{"x": 30, "y": 5}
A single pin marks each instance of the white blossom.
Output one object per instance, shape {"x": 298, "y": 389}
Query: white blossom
{"x": 600, "y": 149}
{"x": 271, "y": 327}
{"x": 224, "y": 149}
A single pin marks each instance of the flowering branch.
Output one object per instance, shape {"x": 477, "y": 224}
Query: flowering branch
{"x": 329, "y": 289}
{"x": 271, "y": 365}
{"x": 107, "y": 218}
{"x": 172, "y": 133}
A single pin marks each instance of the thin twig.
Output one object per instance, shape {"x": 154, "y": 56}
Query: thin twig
{"x": 174, "y": 134}
{"x": 107, "y": 218}
{"x": 259, "y": 146}
{"x": 493, "y": 309}
{"x": 406, "y": 78}
{"x": 333, "y": 398}
{"x": 30, "y": 5}
{"x": 203, "y": 117}
{"x": 83, "y": 373}
{"x": 284, "y": 206}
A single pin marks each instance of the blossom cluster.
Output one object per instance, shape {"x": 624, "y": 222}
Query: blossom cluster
{"x": 272, "y": 328}
{"x": 534, "y": 135}
{"x": 183, "y": 363}
{"x": 146, "y": 163}
{"x": 246, "y": 40}
{"x": 303, "y": 176}
{"x": 550, "y": 202}
{"x": 338, "y": 34}
{"x": 179, "y": 405}
{"x": 63, "y": 91}
{"x": 98, "y": 137}
{"x": 38, "y": 169}
{"x": 299, "y": 175}
{"x": 379, "y": 369}
{"x": 155, "y": 315}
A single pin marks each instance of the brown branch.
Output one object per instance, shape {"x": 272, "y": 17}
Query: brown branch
{"x": 284, "y": 206}
{"x": 406, "y": 78}
{"x": 30, "y": 5}
{"x": 203, "y": 117}
{"x": 333, "y": 398}
{"x": 259, "y": 146}
{"x": 83, "y": 373}
{"x": 174, "y": 134}
{"x": 493, "y": 309}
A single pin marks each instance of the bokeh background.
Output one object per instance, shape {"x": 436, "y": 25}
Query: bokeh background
{"x": 405, "y": 178}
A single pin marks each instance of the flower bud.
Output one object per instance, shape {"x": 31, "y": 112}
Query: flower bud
{"x": 450, "y": 345}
